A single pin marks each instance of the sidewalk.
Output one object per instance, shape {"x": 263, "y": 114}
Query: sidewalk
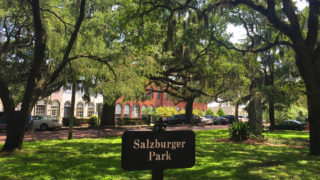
{"x": 86, "y": 132}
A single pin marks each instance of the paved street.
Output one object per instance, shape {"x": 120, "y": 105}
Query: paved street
{"x": 79, "y": 132}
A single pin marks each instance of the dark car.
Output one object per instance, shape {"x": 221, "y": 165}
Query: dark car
{"x": 230, "y": 118}
{"x": 290, "y": 125}
{"x": 223, "y": 120}
{"x": 180, "y": 119}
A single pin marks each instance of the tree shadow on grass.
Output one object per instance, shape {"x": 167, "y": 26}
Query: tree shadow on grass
{"x": 101, "y": 159}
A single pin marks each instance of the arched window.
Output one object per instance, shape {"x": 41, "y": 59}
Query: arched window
{"x": 67, "y": 109}
{"x": 151, "y": 93}
{"x": 40, "y": 108}
{"x": 118, "y": 110}
{"x": 79, "y": 110}
{"x": 135, "y": 110}
{"x": 158, "y": 96}
{"x": 55, "y": 109}
{"x": 178, "y": 109}
{"x": 90, "y": 109}
{"x": 127, "y": 110}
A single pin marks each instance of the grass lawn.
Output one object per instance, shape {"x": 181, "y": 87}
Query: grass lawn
{"x": 284, "y": 156}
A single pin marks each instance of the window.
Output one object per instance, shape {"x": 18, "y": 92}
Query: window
{"x": 79, "y": 87}
{"x": 67, "y": 109}
{"x": 55, "y": 109}
{"x": 135, "y": 111}
{"x": 79, "y": 110}
{"x": 90, "y": 109}
{"x": 118, "y": 110}
{"x": 158, "y": 95}
{"x": 178, "y": 109}
{"x": 40, "y": 108}
{"x": 127, "y": 110}
{"x": 151, "y": 93}
{"x": 67, "y": 87}
{"x": 165, "y": 96}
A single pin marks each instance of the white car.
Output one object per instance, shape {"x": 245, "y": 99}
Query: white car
{"x": 206, "y": 121}
{"x": 45, "y": 122}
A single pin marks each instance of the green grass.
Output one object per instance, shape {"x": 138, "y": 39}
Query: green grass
{"x": 215, "y": 159}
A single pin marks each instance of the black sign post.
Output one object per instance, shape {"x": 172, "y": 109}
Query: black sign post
{"x": 157, "y": 150}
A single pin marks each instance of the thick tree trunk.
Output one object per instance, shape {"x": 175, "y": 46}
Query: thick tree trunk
{"x": 314, "y": 114}
{"x": 236, "y": 116}
{"x": 255, "y": 115}
{"x": 310, "y": 72}
{"x": 15, "y": 132}
{"x": 17, "y": 123}
{"x": 108, "y": 115}
{"x": 189, "y": 108}
{"x": 108, "y": 112}
{"x": 271, "y": 111}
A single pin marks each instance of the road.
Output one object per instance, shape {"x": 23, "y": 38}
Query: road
{"x": 80, "y": 132}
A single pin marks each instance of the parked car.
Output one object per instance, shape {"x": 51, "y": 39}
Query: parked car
{"x": 243, "y": 118}
{"x": 215, "y": 119}
{"x": 230, "y": 118}
{"x": 206, "y": 121}
{"x": 291, "y": 125}
{"x": 180, "y": 119}
{"x": 46, "y": 122}
{"x": 223, "y": 120}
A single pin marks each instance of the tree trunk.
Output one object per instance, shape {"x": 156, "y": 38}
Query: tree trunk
{"x": 314, "y": 114}
{"x": 255, "y": 115}
{"x": 73, "y": 103}
{"x": 271, "y": 111}
{"x": 17, "y": 123}
{"x": 236, "y": 116}
{"x": 108, "y": 114}
{"x": 310, "y": 73}
{"x": 189, "y": 108}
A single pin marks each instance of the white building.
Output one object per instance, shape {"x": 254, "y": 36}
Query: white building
{"x": 58, "y": 104}
{"x": 227, "y": 108}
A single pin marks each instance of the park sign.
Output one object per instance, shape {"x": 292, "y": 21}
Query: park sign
{"x": 149, "y": 150}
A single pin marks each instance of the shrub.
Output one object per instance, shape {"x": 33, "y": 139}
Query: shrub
{"x": 94, "y": 121}
{"x": 220, "y": 112}
{"x": 239, "y": 131}
{"x": 65, "y": 121}
{"x": 209, "y": 112}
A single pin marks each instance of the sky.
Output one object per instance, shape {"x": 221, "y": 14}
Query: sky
{"x": 238, "y": 32}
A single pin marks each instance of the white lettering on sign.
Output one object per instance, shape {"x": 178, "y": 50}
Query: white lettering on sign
{"x": 173, "y": 145}
{"x": 159, "y": 157}
{"x": 156, "y": 144}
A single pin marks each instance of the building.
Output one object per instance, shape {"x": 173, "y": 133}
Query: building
{"x": 227, "y": 108}
{"x": 58, "y": 104}
{"x": 134, "y": 109}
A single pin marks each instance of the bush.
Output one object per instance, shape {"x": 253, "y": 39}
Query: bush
{"x": 94, "y": 121}
{"x": 65, "y": 121}
{"x": 209, "y": 112}
{"x": 220, "y": 112}
{"x": 239, "y": 131}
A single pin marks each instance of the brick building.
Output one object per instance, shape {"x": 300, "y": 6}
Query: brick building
{"x": 134, "y": 109}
